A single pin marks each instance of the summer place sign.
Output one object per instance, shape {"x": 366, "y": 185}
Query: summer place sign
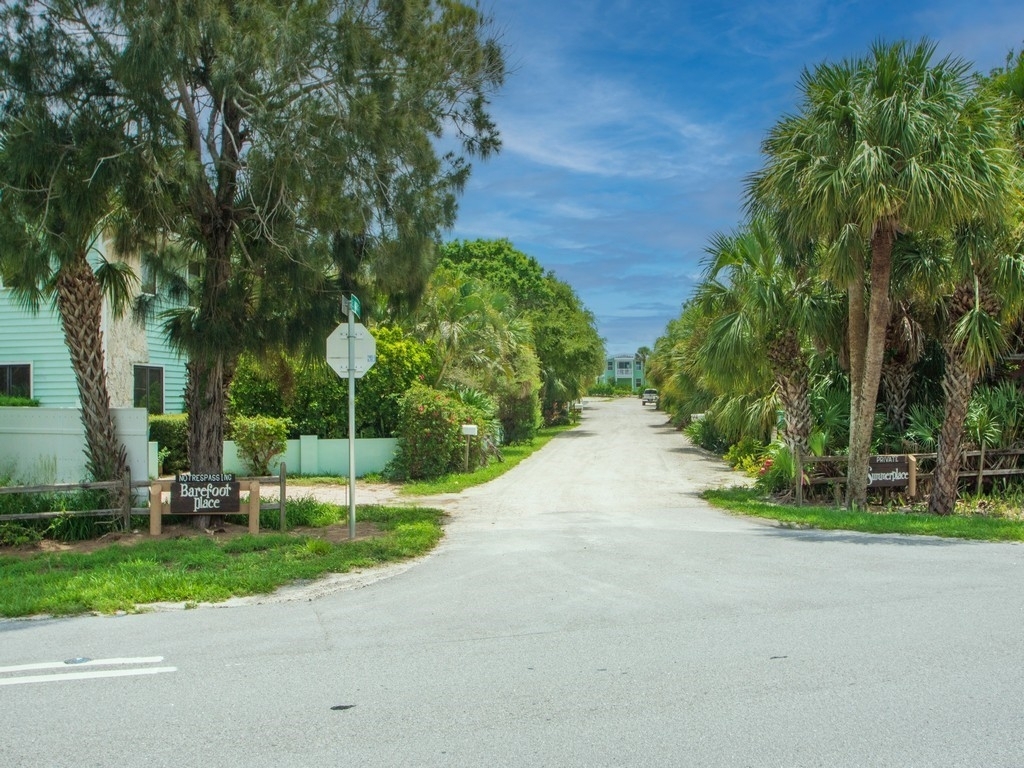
{"x": 888, "y": 471}
{"x": 193, "y": 494}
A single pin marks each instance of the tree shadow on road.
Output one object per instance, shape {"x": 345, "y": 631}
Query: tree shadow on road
{"x": 665, "y": 426}
{"x": 578, "y": 432}
{"x": 819, "y": 536}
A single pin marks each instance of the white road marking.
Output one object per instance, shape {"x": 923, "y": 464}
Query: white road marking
{"x": 90, "y": 663}
{"x": 78, "y": 671}
{"x": 61, "y": 678}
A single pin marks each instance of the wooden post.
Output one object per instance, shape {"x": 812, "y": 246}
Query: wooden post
{"x": 799, "y": 472}
{"x": 127, "y": 502}
{"x": 254, "y": 506}
{"x": 155, "y": 509}
{"x": 912, "y": 476}
{"x": 981, "y": 470}
{"x": 282, "y": 496}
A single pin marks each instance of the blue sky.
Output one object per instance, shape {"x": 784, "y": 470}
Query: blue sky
{"x": 629, "y": 127}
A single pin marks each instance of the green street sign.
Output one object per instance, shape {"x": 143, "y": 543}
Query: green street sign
{"x": 354, "y": 306}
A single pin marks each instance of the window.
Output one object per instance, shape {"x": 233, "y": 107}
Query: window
{"x": 16, "y": 380}
{"x": 611, "y": 365}
{"x": 149, "y": 388}
{"x": 625, "y": 366}
{"x": 148, "y": 283}
{"x": 639, "y": 383}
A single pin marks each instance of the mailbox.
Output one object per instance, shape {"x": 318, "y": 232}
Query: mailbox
{"x": 469, "y": 430}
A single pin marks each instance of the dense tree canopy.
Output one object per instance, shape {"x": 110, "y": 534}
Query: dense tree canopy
{"x": 897, "y": 182}
{"x": 63, "y": 162}
{"x": 282, "y": 142}
{"x": 888, "y": 143}
{"x": 569, "y": 350}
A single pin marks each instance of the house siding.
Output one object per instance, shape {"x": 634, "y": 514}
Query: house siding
{"x": 38, "y": 340}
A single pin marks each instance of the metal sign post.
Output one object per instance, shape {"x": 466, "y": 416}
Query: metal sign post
{"x": 352, "y": 360}
{"x": 351, "y": 424}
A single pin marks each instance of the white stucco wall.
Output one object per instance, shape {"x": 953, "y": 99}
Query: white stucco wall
{"x": 47, "y": 445}
{"x": 309, "y": 455}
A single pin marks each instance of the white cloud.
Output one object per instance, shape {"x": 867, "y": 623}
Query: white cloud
{"x": 603, "y": 125}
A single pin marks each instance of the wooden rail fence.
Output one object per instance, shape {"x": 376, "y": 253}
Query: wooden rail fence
{"x": 979, "y": 474}
{"x": 156, "y": 508}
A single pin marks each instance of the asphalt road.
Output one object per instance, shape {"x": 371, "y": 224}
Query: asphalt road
{"x": 587, "y": 609}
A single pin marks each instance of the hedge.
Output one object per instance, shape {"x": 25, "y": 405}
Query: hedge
{"x": 171, "y": 433}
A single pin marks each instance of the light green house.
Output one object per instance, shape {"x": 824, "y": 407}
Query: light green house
{"x": 625, "y": 371}
{"x": 142, "y": 370}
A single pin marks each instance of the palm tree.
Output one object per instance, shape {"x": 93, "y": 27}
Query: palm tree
{"x": 762, "y": 309}
{"x": 475, "y": 330}
{"x": 640, "y": 359}
{"x": 881, "y": 145}
{"x": 63, "y": 162}
{"x": 989, "y": 288}
{"x": 920, "y": 267}
{"x": 988, "y": 275}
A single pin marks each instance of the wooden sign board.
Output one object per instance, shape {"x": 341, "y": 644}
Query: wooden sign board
{"x": 888, "y": 471}
{"x": 198, "y": 494}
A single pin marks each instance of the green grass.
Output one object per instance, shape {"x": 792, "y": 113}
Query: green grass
{"x": 301, "y": 511}
{"x": 201, "y": 569}
{"x": 459, "y": 481}
{"x": 746, "y": 501}
{"x": 311, "y": 480}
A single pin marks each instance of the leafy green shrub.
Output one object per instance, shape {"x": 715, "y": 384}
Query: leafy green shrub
{"x": 740, "y": 453}
{"x": 170, "y": 431}
{"x": 520, "y": 418}
{"x": 483, "y": 405}
{"x": 64, "y": 528}
{"x": 705, "y": 434}
{"x": 259, "y": 439}
{"x": 401, "y": 362}
{"x": 777, "y": 470}
{"x": 260, "y": 389}
{"x": 15, "y": 534}
{"x": 604, "y": 389}
{"x": 750, "y": 465}
{"x": 315, "y": 399}
{"x": 320, "y": 405}
{"x": 7, "y": 401}
{"x": 430, "y": 441}
{"x": 924, "y": 422}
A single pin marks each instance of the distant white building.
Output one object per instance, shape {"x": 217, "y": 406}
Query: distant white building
{"x": 625, "y": 371}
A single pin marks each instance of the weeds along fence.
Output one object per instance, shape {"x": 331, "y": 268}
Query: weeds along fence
{"x": 129, "y": 494}
{"x": 979, "y": 466}
{"x": 124, "y": 512}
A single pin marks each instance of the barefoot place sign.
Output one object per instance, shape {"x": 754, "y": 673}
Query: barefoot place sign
{"x": 209, "y": 494}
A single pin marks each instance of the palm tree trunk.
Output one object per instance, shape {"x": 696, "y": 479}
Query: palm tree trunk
{"x": 206, "y": 400}
{"x": 795, "y": 402}
{"x": 864, "y": 383}
{"x": 957, "y": 385}
{"x": 896, "y": 380}
{"x": 791, "y": 381}
{"x": 80, "y": 304}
